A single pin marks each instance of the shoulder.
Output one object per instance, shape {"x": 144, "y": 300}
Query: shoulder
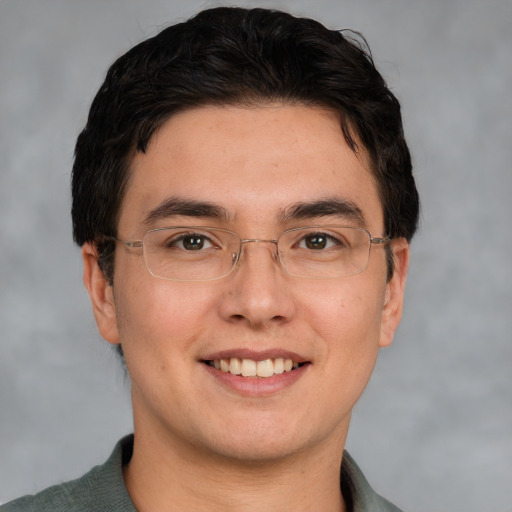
{"x": 71, "y": 496}
{"x": 102, "y": 489}
{"x": 358, "y": 492}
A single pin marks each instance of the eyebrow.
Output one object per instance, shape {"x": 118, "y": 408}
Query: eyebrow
{"x": 331, "y": 206}
{"x": 175, "y": 206}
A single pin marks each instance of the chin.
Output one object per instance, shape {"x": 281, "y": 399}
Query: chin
{"x": 257, "y": 452}
{"x": 264, "y": 442}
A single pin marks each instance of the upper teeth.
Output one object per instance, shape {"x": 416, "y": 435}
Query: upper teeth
{"x": 252, "y": 368}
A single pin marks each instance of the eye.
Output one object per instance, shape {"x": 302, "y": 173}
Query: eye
{"x": 318, "y": 241}
{"x": 191, "y": 242}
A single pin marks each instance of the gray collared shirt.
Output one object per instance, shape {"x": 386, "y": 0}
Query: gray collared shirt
{"x": 102, "y": 489}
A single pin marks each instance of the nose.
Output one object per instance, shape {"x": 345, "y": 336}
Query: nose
{"x": 259, "y": 293}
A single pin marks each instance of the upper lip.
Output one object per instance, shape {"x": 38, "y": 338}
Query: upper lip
{"x": 255, "y": 355}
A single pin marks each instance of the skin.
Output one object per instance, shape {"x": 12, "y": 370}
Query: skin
{"x": 248, "y": 451}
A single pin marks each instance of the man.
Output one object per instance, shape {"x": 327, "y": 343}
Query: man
{"x": 243, "y": 196}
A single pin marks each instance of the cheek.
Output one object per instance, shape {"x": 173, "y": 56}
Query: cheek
{"x": 159, "y": 327}
{"x": 347, "y": 316}
{"x": 157, "y": 319}
{"x": 346, "y": 321}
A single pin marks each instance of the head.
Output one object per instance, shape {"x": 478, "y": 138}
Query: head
{"x": 258, "y": 120}
{"x": 234, "y": 56}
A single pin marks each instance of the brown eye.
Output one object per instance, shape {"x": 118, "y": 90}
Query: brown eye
{"x": 189, "y": 242}
{"x": 316, "y": 241}
{"x": 193, "y": 242}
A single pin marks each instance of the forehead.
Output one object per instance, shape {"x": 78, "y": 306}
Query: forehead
{"x": 253, "y": 162}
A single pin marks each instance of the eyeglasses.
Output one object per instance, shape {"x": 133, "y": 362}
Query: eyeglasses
{"x": 198, "y": 253}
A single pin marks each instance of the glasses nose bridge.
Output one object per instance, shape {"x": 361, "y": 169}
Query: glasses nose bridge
{"x": 246, "y": 241}
{"x": 257, "y": 240}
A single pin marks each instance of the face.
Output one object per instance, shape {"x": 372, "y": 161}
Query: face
{"x": 255, "y": 165}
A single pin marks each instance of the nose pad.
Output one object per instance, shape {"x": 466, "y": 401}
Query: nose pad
{"x": 235, "y": 258}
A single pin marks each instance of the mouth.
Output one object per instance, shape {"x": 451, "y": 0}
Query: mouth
{"x": 252, "y": 368}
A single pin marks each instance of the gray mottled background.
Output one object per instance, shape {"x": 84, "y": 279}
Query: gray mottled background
{"x": 433, "y": 432}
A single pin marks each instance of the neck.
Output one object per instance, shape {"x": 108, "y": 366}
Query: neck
{"x": 169, "y": 476}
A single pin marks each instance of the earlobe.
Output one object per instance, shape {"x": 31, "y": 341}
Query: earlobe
{"x": 394, "y": 296}
{"x": 101, "y": 295}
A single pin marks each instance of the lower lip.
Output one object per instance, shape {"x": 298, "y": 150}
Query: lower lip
{"x": 257, "y": 386}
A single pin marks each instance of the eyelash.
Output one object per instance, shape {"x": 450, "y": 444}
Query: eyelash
{"x": 329, "y": 239}
{"x": 174, "y": 241}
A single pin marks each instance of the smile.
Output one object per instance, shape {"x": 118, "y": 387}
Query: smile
{"x": 252, "y": 368}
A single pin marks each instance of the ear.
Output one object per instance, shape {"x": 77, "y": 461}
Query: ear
{"x": 394, "y": 296}
{"x": 101, "y": 294}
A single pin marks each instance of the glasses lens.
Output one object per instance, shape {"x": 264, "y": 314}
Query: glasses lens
{"x": 324, "y": 251}
{"x": 190, "y": 253}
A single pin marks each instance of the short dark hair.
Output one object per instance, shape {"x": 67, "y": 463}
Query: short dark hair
{"x": 236, "y": 56}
